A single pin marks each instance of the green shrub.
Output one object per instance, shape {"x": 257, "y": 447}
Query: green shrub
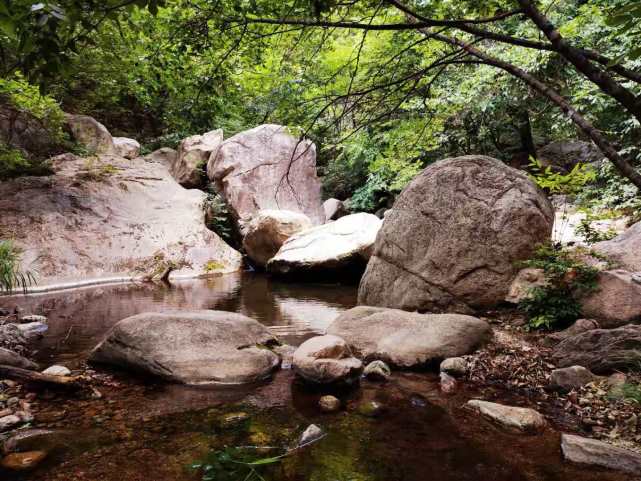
{"x": 568, "y": 279}
{"x": 11, "y": 276}
{"x": 559, "y": 183}
{"x": 592, "y": 235}
{"x": 218, "y": 218}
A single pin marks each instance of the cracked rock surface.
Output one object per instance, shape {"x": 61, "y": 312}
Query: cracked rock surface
{"x": 453, "y": 240}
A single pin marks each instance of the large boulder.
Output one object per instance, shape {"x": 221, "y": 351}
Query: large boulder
{"x": 340, "y": 247}
{"x": 453, "y": 240}
{"x": 624, "y": 249}
{"x": 592, "y": 452}
{"x": 408, "y": 339}
{"x": 326, "y": 360}
{"x": 268, "y": 231}
{"x": 267, "y": 168}
{"x": 191, "y": 160}
{"x": 107, "y": 218}
{"x": 617, "y": 300}
{"x": 191, "y": 347}
{"x": 601, "y": 350}
{"x": 126, "y": 147}
{"x": 567, "y": 153}
{"x": 92, "y": 134}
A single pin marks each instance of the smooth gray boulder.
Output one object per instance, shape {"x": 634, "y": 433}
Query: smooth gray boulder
{"x": 601, "y": 350}
{"x": 625, "y": 249}
{"x": 567, "y": 153}
{"x": 513, "y": 418}
{"x": 267, "y": 168}
{"x": 108, "y": 218}
{"x": 165, "y": 156}
{"x": 191, "y": 347}
{"x": 332, "y": 248}
{"x": 572, "y": 377}
{"x": 10, "y": 358}
{"x": 126, "y": 147}
{"x": 455, "y": 236}
{"x": 268, "y": 230}
{"x": 189, "y": 166}
{"x": 616, "y": 301}
{"x": 407, "y": 339}
{"x": 326, "y": 360}
{"x": 592, "y": 452}
{"x": 92, "y": 134}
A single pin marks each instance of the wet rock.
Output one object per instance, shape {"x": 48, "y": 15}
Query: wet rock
{"x": 268, "y": 231}
{"x": 453, "y": 240}
{"x": 191, "y": 159}
{"x": 311, "y": 434}
{"x": 23, "y": 461}
{"x": 625, "y": 249}
{"x": 191, "y": 347}
{"x": 455, "y": 366}
{"x": 33, "y": 318}
{"x": 580, "y": 326}
{"x": 523, "y": 283}
{"x": 512, "y": 418}
{"x": 407, "y": 339}
{"x": 617, "y": 300}
{"x": 32, "y": 330}
{"x": 572, "y": 377}
{"x": 591, "y": 452}
{"x": 91, "y": 133}
{"x": 601, "y": 350}
{"x": 377, "y": 371}
{"x": 329, "y": 404}
{"x": 36, "y": 439}
{"x": 10, "y": 358}
{"x": 448, "y": 384}
{"x": 342, "y": 246}
{"x": 57, "y": 371}
{"x": 126, "y": 147}
{"x": 371, "y": 409}
{"x": 326, "y": 360}
{"x": 9, "y": 422}
{"x": 267, "y": 168}
{"x": 334, "y": 209}
{"x": 233, "y": 420}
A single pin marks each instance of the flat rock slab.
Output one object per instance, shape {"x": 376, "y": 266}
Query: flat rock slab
{"x": 191, "y": 347}
{"x": 592, "y": 452}
{"x": 519, "y": 419}
{"x": 407, "y": 339}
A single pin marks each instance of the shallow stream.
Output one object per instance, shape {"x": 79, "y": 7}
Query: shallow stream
{"x": 142, "y": 430}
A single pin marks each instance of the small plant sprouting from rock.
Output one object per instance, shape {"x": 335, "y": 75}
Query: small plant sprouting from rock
{"x": 213, "y": 266}
{"x": 568, "y": 279}
{"x": 11, "y": 276}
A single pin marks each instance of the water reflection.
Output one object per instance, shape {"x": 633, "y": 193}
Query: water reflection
{"x": 78, "y": 319}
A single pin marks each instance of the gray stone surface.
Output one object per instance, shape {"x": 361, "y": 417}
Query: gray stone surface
{"x": 591, "y": 452}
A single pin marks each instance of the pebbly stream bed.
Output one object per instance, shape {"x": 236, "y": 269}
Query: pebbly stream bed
{"x": 142, "y": 430}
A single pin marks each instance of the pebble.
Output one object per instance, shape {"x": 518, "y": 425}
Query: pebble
{"x": 454, "y": 366}
{"x": 9, "y": 422}
{"x": 377, "y": 371}
{"x": 233, "y": 420}
{"x": 329, "y": 404}
{"x": 23, "y": 461}
{"x": 57, "y": 371}
{"x": 311, "y": 434}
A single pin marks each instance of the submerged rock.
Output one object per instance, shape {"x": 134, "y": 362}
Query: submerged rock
{"x": 326, "y": 360}
{"x": 108, "y": 218}
{"x": 572, "y": 377}
{"x": 510, "y": 417}
{"x": 408, "y": 339}
{"x": 192, "y": 156}
{"x": 267, "y": 168}
{"x": 329, "y": 404}
{"x": 601, "y": 350}
{"x": 191, "y": 347}
{"x": 126, "y": 147}
{"x": 333, "y": 249}
{"x": 591, "y": 452}
{"x": 617, "y": 300}
{"x": 23, "y": 461}
{"x": 268, "y": 231}
{"x": 377, "y": 371}
{"x": 10, "y": 358}
{"x": 453, "y": 240}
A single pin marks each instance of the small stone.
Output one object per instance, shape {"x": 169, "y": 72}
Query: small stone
{"x": 311, "y": 434}
{"x": 371, "y": 409}
{"x": 286, "y": 354}
{"x": 510, "y": 417}
{"x": 9, "y": 422}
{"x": 13, "y": 401}
{"x": 329, "y": 404}
{"x": 377, "y": 371}
{"x": 233, "y": 420}
{"x": 56, "y": 370}
{"x": 32, "y": 330}
{"x": 568, "y": 378}
{"x": 454, "y": 366}
{"x": 23, "y": 461}
{"x": 448, "y": 383}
